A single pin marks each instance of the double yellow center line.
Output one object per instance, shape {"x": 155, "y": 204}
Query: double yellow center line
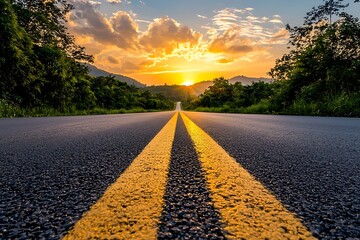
{"x": 132, "y": 206}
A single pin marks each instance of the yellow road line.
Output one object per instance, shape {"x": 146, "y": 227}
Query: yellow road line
{"x": 248, "y": 210}
{"x": 131, "y": 207}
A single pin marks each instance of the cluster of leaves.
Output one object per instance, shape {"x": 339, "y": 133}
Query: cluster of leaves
{"x": 322, "y": 67}
{"x": 176, "y": 93}
{"x": 232, "y": 96}
{"x": 325, "y": 61}
{"x": 110, "y": 93}
{"x": 41, "y": 66}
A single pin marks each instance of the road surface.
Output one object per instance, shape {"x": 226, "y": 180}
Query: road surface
{"x": 180, "y": 175}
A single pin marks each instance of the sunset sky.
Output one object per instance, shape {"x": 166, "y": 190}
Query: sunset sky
{"x": 173, "y": 42}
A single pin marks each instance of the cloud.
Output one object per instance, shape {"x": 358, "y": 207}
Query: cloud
{"x": 143, "y": 21}
{"x": 161, "y": 37}
{"x": 225, "y": 60}
{"x": 119, "y": 30}
{"x": 114, "y": 1}
{"x": 94, "y": 3}
{"x": 238, "y": 35}
{"x": 231, "y": 42}
{"x": 226, "y": 18}
{"x": 260, "y": 30}
{"x": 112, "y": 60}
{"x": 280, "y": 37}
{"x": 118, "y": 1}
{"x": 276, "y": 19}
{"x": 127, "y": 44}
{"x": 124, "y": 28}
{"x": 130, "y": 67}
{"x": 164, "y": 35}
{"x": 118, "y": 35}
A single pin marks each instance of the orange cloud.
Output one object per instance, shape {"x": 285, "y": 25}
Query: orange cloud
{"x": 112, "y": 60}
{"x": 231, "y": 42}
{"x": 165, "y": 34}
{"x": 125, "y": 29}
{"x": 225, "y": 60}
{"x": 280, "y": 37}
{"x": 120, "y": 30}
{"x": 121, "y": 65}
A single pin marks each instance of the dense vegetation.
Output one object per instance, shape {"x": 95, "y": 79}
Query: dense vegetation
{"x": 42, "y": 70}
{"x": 319, "y": 76}
{"x": 176, "y": 93}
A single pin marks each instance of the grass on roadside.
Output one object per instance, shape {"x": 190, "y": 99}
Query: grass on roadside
{"x": 8, "y": 110}
{"x": 342, "y": 105}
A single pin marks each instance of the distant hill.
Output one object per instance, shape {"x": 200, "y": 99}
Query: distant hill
{"x": 200, "y": 87}
{"x": 96, "y": 72}
{"x": 181, "y": 93}
{"x": 173, "y": 92}
{"x": 248, "y": 81}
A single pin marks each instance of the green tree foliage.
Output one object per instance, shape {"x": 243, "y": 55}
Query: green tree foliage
{"x": 222, "y": 93}
{"x": 110, "y": 93}
{"x": 218, "y": 94}
{"x": 325, "y": 11}
{"x": 84, "y": 98}
{"x": 325, "y": 57}
{"x": 44, "y": 22}
{"x": 42, "y": 67}
{"x": 320, "y": 75}
{"x": 256, "y": 92}
{"x": 15, "y": 49}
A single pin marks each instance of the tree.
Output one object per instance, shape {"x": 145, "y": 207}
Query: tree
{"x": 45, "y": 22}
{"x": 15, "y": 48}
{"x": 83, "y": 98}
{"x": 255, "y": 92}
{"x": 325, "y": 11}
{"x": 219, "y": 93}
{"x": 325, "y": 56}
{"x": 56, "y": 74}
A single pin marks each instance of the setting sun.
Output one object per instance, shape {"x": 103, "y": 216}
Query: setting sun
{"x": 188, "y": 83}
{"x": 181, "y": 40}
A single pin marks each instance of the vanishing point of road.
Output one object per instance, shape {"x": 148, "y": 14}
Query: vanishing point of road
{"x": 180, "y": 175}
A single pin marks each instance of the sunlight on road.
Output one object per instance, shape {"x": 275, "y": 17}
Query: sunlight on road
{"x": 248, "y": 210}
{"x": 178, "y": 106}
{"x": 132, "y": 206}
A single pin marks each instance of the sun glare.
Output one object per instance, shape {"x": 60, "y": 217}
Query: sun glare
{"x": 188, "y": 83}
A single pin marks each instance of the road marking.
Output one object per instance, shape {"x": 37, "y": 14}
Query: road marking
{"x": 131, "y": 207}
{"x": 247, "y": 209}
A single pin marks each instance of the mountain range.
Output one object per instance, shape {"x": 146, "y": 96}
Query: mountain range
{"x": 96, "y": 72}
{"x": 174, "y": 91}
{"x": 200, "y": 87}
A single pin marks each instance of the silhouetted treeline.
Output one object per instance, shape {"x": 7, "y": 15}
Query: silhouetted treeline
{"x": 319, "y": 76}
{"x": 176, "y": 93}
{"x": 42, "y": 67}
{"x": 224, "y": 96}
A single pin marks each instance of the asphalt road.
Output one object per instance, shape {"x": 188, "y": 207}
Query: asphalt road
{"x": 311, "y": 164}
{"x": 188, "y": 212}
{"x": 53, "y": 169}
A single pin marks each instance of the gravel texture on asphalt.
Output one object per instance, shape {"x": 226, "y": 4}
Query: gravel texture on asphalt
{"x": 311, "y": 164}
{"x": 53, "y": 169}
{"x": 188, "y": 212}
